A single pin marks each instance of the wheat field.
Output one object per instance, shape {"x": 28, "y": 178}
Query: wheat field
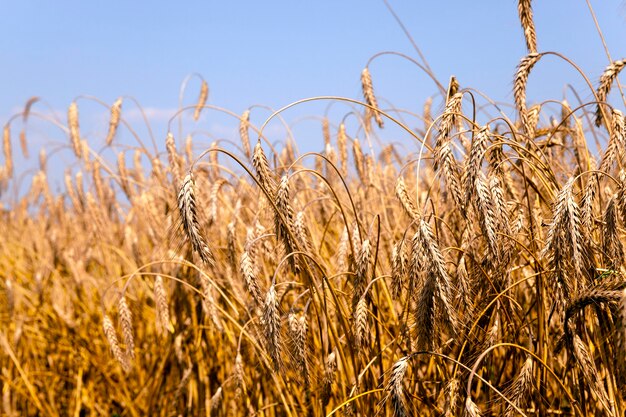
{"x": 475, "y": 269}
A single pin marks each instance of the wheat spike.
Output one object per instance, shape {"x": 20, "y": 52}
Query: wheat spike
{"x": 434, "y": 308}
{"x": 111, "y": 335}
{"x": 361, "y": 276}
{"x": 326, "y": 131}
{"x": 114, "y": 121}
{"x": 173, "y": 158}
{"x": 485, "y": 207}
{"x": 239, "y": 376}
{"x": 72, "y": 122}
{"x": 244, "y": 134}
{"x": 590, "y": 373}
{"x": 526, "y": 17}
{"x": 126, "y": 319}
{"x": 519, "y": 86}
{"x": 370, "y": 98}
{"x": 342, "y": 250}
{"x": 359, "y": 159}
{"x": 271, "y": 327}
{"x": 617, "y": 141}
{"x": 474, "y": 163}
{"x": 443, "y": 150}
{"x": 360, "y": 322}
{"x": 249, "y": 277}
{"x": 395, "y": 388}
{"x": 283, "y": 228}
{"x": 611, "y": 244}
{"x": 163, "y": 312}
{"x": 330, "y": 369}
{"x": 6, "y": 147}
{"x": 399, "y": 269}
{"x": 302, "y": 233}
{"x": 452, "y": 397}
{"x": 262, "y": 168}
{"x": 204, "y": 94}
{"x": 405, "y": 198}
{"x": 191, "y": 225}
{"x": 604, "y": 87}
{"x": 342, "y": 140}
{"x": 521, "y": 388}
{"x": 564, "y": 242}
{"x": 471, "y": 409}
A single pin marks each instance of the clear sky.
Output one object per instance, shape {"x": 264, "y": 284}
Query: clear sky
{"x": 276, "y": 52}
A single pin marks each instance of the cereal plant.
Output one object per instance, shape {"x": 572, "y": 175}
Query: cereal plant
{"x": 476, "y": 267}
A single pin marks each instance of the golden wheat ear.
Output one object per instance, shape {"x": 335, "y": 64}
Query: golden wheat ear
{"x": 6, "y": 148}
{"x": 72, "y": 122}
{"x": 114, "y": 121}
{"x": 202, "y": 98}
{"x": 190, "y": 221}
{"x": 528, "y": 25}
{"x": 370, "y": 97}
{"x": 604, "y": 87}
{"x": 519, "y": 86}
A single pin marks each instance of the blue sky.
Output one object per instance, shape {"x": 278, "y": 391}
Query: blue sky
{"x": 277, "y": 52}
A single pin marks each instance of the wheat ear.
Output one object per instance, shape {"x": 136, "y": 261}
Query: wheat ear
{"x": 604, "y": 87}
{"x": 526, "y": 18}
{"x": 163, "y": 312}
{"x": 395, "y": 388}
{"x": 244, "y": 134}
{"x": 204, "y": 94}
{"x": 519, "y": 86}
{"x": 6, "y": 147}
{"x": 114, "y": 121}
{"x": 271, "y": 327}
{"x": 111, "y": 335}
{"x": 191, "y": 225}
{"x": 262, "y": 168}
{"x": 126, "y": 319}
{"x": 72, "y": 122}
{"x": 521, "y": 388}
{"x": 370, "y": 98}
